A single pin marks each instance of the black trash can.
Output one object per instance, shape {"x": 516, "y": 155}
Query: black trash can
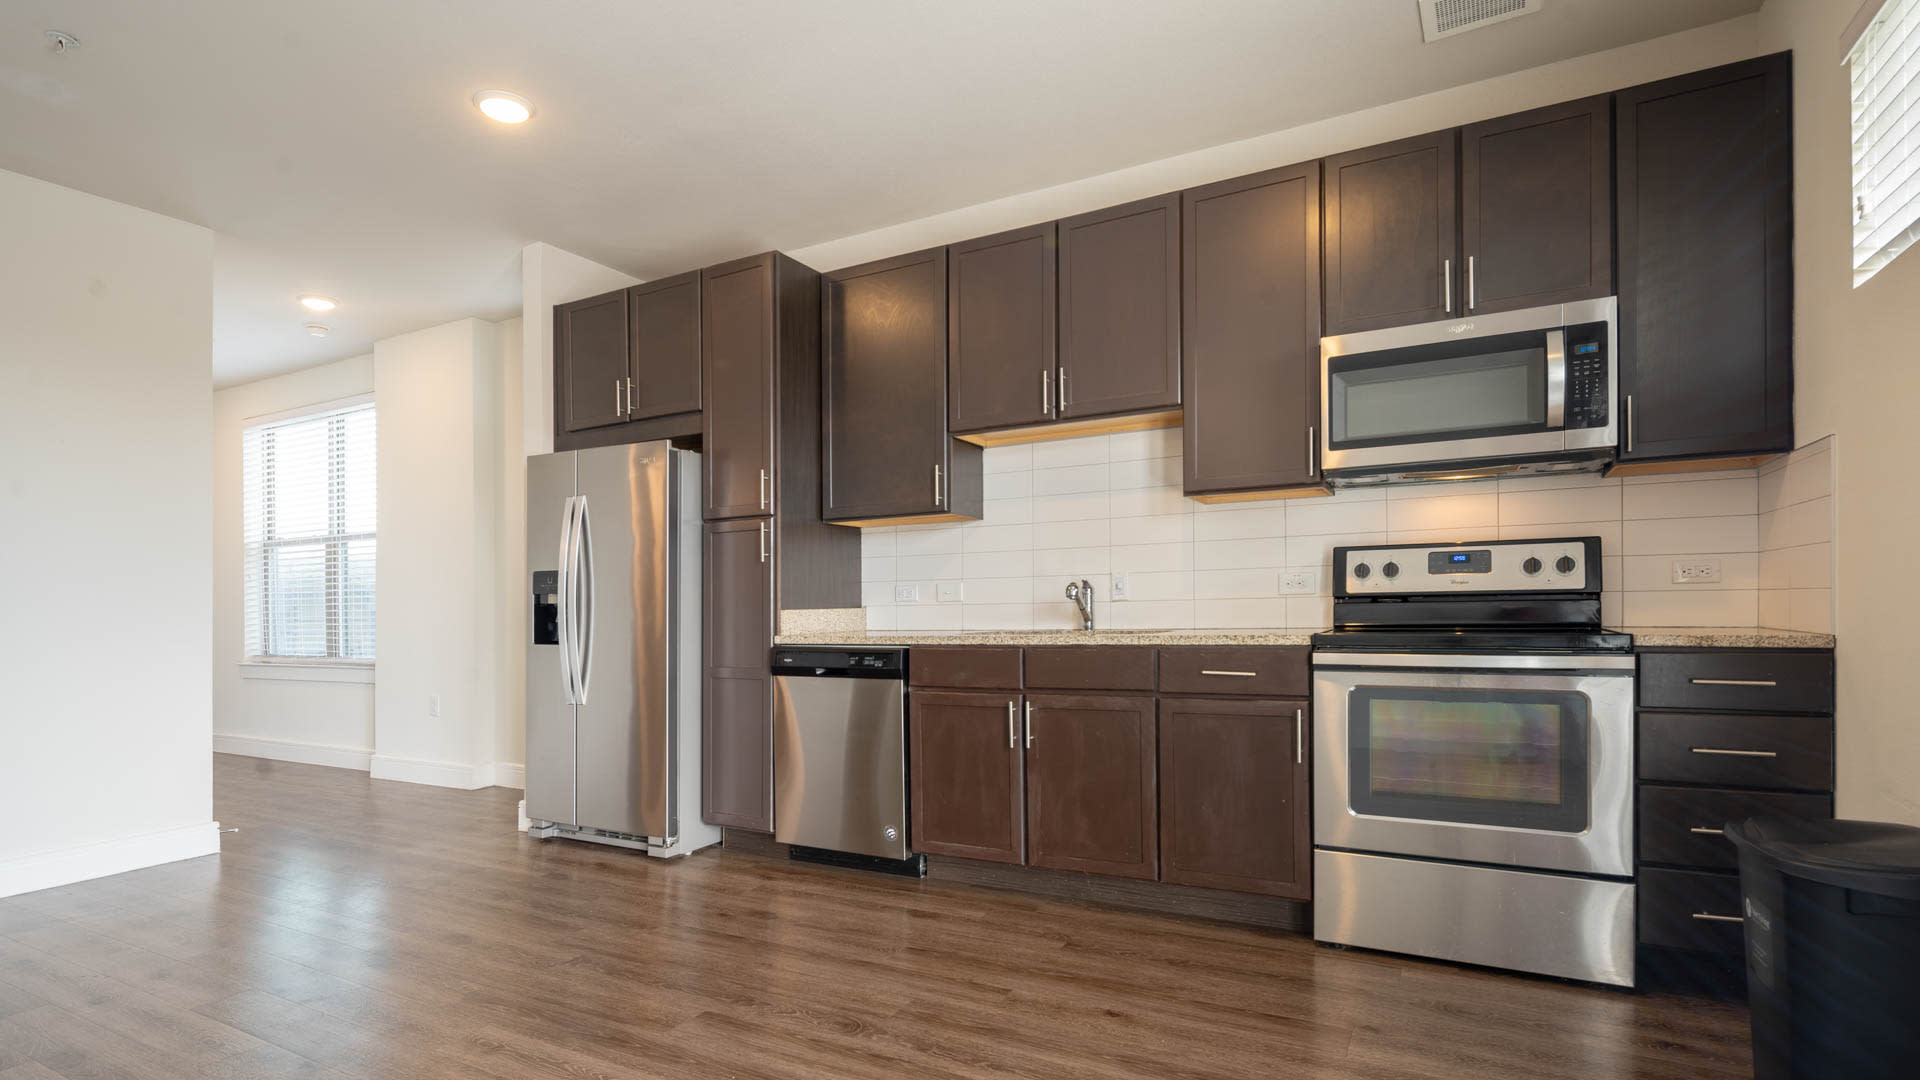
{"x": 1833, "y": 946}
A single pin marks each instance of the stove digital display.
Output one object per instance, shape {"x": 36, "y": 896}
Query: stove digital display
{"x": 1479, "y": 561}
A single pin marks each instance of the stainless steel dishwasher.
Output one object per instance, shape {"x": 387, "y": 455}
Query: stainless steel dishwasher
{"x": 840, "y": 754}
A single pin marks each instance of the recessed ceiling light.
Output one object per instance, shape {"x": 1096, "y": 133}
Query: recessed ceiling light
{"x": 505, "y": 107}
{"x": 318, "y": 303}
{"x": 316, "y": 329}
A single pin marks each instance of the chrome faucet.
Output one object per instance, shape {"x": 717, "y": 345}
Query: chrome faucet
{"x": 1081, "y": 593}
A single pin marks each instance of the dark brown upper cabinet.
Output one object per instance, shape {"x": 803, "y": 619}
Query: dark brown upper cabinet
{"x": 1234, "y": 796}
{"x": 1251, "y": 325}
{"x": 1536, "y": 207}
{"x": 889, "y": 457}
{"x": 1001, "y": 334}
{"x": 1392, "y": 234}
{"x": 969, "y": 787}
{"x": 1705, "y": 185}
{"x": 1091, "y": 777}
{"x": 1119, "y": 310}
{"x": 590, "y": 362}
{"x": 663, "y": 338}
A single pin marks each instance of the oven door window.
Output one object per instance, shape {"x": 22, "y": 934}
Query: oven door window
{"x": 1479, "y": 388}
{"x": 1514, "y": 758}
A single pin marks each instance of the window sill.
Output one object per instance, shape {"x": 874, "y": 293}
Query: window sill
{"x": 295, "y": 671}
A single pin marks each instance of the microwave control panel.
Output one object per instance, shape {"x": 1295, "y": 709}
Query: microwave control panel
{"x": 1588, "y": 370}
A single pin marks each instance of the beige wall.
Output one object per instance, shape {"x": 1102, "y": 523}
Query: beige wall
{"x": 1856, "y": 377}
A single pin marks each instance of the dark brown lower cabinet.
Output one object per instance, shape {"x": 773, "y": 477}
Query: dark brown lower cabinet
{"x": 1233, "y": 796}
{"x": 1091, "y": 778}
{"x": 736, "y": 778}
{"x": 969, "y": 788}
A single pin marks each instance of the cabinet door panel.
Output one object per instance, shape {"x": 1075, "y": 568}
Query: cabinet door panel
{"x": 736, "y": 733}
{"x": 1391, "y": 233}
{"x": 968, "y": 785}
{"x": 664, "y": 335}
{"x": 1000, "y": 329}
{"x": 1536, "y": 207}
{"x": 1705, "y": 178}
{"x": 1233, "y": 796}
{"x": 737, "y": 358}
{"x": 1120, "y": 309}
{"x": 590, "y": 361}
{"x": 1091, "y": 771}
{"x": 885, "y": 327}
{"x": 1252, "y": 331}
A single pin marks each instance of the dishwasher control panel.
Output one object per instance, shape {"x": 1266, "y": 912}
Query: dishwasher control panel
{"x": 840, "y": 663}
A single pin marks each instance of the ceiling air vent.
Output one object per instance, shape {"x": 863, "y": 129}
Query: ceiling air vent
{"x": 1445, "y": 18}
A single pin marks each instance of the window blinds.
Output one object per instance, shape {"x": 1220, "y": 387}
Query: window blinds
{"x": 308, "y": 486}
{"x": 1885, "y": 65}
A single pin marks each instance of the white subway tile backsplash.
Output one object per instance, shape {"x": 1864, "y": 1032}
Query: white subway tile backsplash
{"x": 1006, "y": 459}
{"x": 996, "y": 616}
{"x": 1159, "y": 529}
{"x": 1150, "y": 615}
{"x": 1144, "y": 473}
{"x": 986, "y": 564}
{"x": 929, "y": 567}
{"x": 1004, "y": 512}
{"x": 1158, "y": 585}
{"x": 1235, "y": 584}
{"x": 1795, "y": 526}
{"x": 1318, "y": 550}
{"x": 1134, "y": 445}
{"x": 1332, "y": 517}
{"x": 1061, "y": 453}
{"x": 1072, "y": 480}
{"x": 1691, "y": 498}
{"x": 1454, "y": 514}
{"x": 1261, "y": 612}
{"x": 881, "y": 569}
{"x": 1151, "y": 502}
{"x": 1091, "y": 532}
{"x": 1008, "y": 590}
{"x": 998, "y": 538}
{"x": 1718, "y": 607}
{"x": 1137, "y": 558}
{"x": 1738, "y": 570}
{"x": 1541, "y": 506}
{"x": 1007, "y": 485}
{"x": 1082, "y": 507}
{"x": 927, "y": 540}
{"x": 1070, "y": 562}
{"x": 1681, "y": 536}
{"x": 1237, "y": 554}
{"x": 1241, "y": 524}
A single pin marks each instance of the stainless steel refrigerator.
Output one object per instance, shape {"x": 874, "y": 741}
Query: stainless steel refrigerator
{"x": 613, "y": 656}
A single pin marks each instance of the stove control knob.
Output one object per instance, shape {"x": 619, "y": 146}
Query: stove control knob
{"x": 1362, "y": 571}
{"x": 1531, "y": 566}
{"x": 1564, "y": 564}
{"x": 1392, "y": 569}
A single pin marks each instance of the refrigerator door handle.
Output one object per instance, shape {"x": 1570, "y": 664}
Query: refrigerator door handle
{"x": 583, "y": 585}
{"x": 563, "y": 595}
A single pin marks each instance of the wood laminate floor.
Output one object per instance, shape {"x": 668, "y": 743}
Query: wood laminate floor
{"x": 374, "y": 929}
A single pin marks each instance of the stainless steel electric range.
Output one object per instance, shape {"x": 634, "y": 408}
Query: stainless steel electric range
{"x": 1473, "y": 759}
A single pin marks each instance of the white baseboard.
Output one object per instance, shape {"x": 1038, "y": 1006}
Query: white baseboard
{"x": 306, "y": 753}
{"x": 47, "y": 869}
{"x": 508, "y": 774}
{"x": 452, "y": 774}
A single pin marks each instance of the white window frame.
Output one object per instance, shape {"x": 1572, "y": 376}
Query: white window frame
{"x": 299, "y": 668}
{"x": 1883, "y": 33}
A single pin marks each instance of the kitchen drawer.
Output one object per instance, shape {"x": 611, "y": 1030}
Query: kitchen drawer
{"x": 967, "y": 667}
{"x": 1256, "y": 671}
{"x": 1690, "y": 909}
{"x": 1794, "y": 752}
{"x": 1743, "y": 680}
{"x": 1090, "y": 667}
{"x": 1670, "y": 816}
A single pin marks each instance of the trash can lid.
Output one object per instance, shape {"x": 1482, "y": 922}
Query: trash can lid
{"x": 1869, "y": 856}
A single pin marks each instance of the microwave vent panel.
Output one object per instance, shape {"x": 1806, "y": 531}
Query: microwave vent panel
{"x": 1445, "y": 18}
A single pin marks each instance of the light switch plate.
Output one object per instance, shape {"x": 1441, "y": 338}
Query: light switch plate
{"x": 1299, "y": 582}
{"x": 951, "y": 592}
{"x": 1119, "y": 586}
{"x": 1695, "y": 571}
{"x": 906, "y": 594}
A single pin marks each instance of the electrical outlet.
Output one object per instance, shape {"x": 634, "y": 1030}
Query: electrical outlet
{"x": 906, "y": 594}
{"x": 1300, "y": 582}
{"x": 1695, "y": 571}
{"x": 433, "y": 705}
{"x": 951, "y": 592}
{"x": 1119, "y": 587}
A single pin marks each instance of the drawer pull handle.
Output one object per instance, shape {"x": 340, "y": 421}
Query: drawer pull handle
{"x": 1733, "y": 682}
{"x": 1235, "y": 674}
{"x": 1704, "y": 831}
{"x": 1704, "y": 916}
{"x": 1735, "y": 753}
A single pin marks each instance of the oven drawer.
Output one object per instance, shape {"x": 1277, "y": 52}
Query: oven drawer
{"x": 1747, "y": 680}
{"x": 1691, "y": 909}
{"x": 1792, "y": 752}
{"x": 1674, "y": 821}
{"x": 1256, "y": 672}
{"x": 1090, "y": 667}
{"x": 965, "y": 667}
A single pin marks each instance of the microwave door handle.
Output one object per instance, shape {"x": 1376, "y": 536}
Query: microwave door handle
{"x": 1556, "y": 379}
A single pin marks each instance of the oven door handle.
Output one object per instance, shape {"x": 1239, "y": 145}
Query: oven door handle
{"x": 1556, "y": 379}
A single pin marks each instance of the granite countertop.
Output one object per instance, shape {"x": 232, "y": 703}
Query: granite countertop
{"x": 1725, "y": 637}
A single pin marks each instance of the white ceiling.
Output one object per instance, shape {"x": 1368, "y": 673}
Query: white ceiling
{"x": 334, "y": 149}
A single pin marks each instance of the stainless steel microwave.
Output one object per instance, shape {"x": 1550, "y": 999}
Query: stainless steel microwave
{"x": 1511, "y": 392}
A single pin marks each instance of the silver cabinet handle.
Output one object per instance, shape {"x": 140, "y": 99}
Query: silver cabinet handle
{"x": 1629, "y": 423}
{"x": 763, "y": 489}
{"x": 618, "y": 386}
{"x": 1311, "y": 463}
{"x": 1556, "y": 378}
{"x": 1029, "y": 725}
{"x": 764, "y": 553}
{"x": 1299, "y": 736}
{"x": 1063, "y": 391}
{"x": 936, "y": 485}
{"x": 1469, "y": 283}
{"x": 1709, "y": 917}
{"x": 1013, "y": 727}
{"x": 629, "y": 396}
{"x": 1702, "y": 830}
{"x": 1733, "y": 682}
{"x": 1735, "y": 753}
{"x": 1235, "y": 674}
{"x": 1046, "y": 392}
{"x": 1446, "y": 283}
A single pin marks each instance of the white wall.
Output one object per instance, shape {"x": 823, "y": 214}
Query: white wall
{"x": 319, "y": 715}
{"x": 510, "y": 543}
{"x": 1855, "y": 376}
{"x": 439, "y": 600}
{"x": 549, "y": 276}
{"x": 1109, "y": 505}
{"x": 105, "y": 524}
